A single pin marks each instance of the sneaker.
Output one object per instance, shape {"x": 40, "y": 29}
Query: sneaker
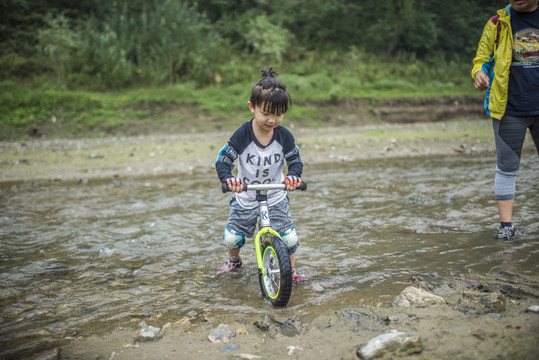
{"x": 297, "y": 278}
{"x": 507, "y": 233}
{"x": 229, "y": 267}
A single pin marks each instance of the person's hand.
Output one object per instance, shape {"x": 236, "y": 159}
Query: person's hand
{"x": 481, "y": 80}
{"x": 235, "y": 184}
{"x": 292, "y": 182}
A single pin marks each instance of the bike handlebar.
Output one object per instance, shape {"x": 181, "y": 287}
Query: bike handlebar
{"x": 302, "y": 186}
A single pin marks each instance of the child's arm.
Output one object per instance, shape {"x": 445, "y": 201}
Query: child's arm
{"x": 224, "y": 165}
{"x": 225, "y": 162}
{"x": 294, "y": 162}
{"x": 295, "y": 169}
{"x": 228, "y": 154}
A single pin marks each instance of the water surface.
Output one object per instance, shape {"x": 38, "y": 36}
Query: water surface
{"x": 80, "y": 259}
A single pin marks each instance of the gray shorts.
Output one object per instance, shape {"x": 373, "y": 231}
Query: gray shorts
{"x": 245, "y": 220}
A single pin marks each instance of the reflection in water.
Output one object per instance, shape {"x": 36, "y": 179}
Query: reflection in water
{"x": 78, "y": 259}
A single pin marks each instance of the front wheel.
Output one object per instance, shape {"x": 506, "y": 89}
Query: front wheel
{"x": 276, "y": 285}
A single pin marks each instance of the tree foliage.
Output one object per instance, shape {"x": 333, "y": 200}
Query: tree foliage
{"x": 120, "y": 43}
{"x": 267, "y": 39}
{"x": 56, "y": 39}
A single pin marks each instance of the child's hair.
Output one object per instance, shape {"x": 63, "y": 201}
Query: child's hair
{"x": 271, "y": 93}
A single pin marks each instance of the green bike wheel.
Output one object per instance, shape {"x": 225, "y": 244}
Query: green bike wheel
{"x": 276, "y": 284}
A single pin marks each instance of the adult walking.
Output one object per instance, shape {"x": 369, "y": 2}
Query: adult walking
{"x": 506, "y": 65}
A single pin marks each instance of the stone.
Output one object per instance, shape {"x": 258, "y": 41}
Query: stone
{"x": 148, "y": 333}
{"x": 413, "y": 296}
{"x": 482, "y": 302}
{"x": 393, "y": 343}
{"x": 229, "y": 348}
{"x": 289, "y": 330}
{"x": 221, "y": 334}
{"x": 293, "y": 349}
{"x": 247, "y": 356}
{"x": 262, "y": 325}
{"x": 419, "y": 282}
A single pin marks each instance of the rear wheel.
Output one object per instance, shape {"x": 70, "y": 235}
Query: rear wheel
{"x": 276, "y": 285}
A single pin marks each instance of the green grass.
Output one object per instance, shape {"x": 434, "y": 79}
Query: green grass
{"x": 79, "y": 113}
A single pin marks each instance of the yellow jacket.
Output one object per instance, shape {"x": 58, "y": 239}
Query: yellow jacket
{"x": 494, "y": 56}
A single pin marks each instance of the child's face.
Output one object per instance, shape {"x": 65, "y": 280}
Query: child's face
{"x": 263, "y": 119}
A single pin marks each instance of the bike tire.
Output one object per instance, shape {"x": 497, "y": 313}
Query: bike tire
{"x": 276, "y": 285}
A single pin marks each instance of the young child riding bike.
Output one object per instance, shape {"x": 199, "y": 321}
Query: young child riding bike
{"x": 262, "y": 147}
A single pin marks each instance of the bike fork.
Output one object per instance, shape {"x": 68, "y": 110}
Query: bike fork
{"x": 265, "y": 228}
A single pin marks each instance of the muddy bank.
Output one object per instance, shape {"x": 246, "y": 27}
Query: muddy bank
{"x": 85, "y": 159}
{"x": 353, "y": 112}
{"x": 428, "y": 109}
{"x": 477, "y": 319}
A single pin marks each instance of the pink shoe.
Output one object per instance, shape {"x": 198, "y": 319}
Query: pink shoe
{"x": 297, "y": 278}
{"x": 229, "y": 267}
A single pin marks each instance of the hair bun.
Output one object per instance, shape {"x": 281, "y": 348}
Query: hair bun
{"x": 268, "y": 72}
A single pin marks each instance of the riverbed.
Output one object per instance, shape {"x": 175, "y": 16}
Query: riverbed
{"x": 85, "y": 257}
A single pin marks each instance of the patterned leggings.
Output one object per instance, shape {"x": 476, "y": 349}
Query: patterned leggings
{"x": 509, "y": 135}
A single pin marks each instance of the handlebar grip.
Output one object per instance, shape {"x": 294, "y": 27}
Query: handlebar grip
{"x": 224, "y": 187}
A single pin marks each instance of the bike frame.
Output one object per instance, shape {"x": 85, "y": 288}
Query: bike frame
{"x": 265, "y": 226}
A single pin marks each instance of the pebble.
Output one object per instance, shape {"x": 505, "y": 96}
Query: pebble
{"x": 533, "y": 308}
{"x": 412, "y": 296}
{"x": 292, "y": 349}
{"x": 221, "y": 334}
{"x": 394, "y": 342}
{"x": 247, "y": 356}
{"x": 482, "y": 302}
{"x": 229, "y": 348}
{"x": 148, "y": 333}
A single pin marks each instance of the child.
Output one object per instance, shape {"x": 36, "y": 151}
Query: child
{"x": 262, "y": 146}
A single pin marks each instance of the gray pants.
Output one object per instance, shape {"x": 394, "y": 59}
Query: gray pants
{"x": 509, "y": 135}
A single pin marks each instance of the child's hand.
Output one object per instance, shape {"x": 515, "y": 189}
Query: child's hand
{"x": 235, "y": 184}
{"x": 292, "y": 182}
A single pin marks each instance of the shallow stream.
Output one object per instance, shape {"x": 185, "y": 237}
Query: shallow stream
{"x": 85, "y": 258}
